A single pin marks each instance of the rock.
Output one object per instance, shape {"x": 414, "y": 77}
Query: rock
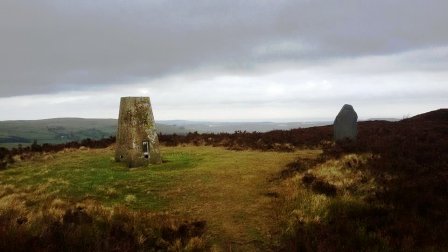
{"x": 83, "y": 148}
{"x": 345, "y": 124}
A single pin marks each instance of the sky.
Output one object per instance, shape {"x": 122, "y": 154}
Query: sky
{"x": 248, "y": 60}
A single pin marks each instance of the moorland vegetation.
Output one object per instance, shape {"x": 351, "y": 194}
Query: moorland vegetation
{"x": 387, "y": 191}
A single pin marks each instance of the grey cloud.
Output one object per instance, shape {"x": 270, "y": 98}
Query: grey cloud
{"x": 49, "y": 46}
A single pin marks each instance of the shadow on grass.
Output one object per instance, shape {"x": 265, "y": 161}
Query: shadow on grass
{"x": 348, "y": 226}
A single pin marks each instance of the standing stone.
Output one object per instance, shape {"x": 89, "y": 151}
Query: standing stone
{"x": 345, "y": 124}
{"x": 137, "y": 141}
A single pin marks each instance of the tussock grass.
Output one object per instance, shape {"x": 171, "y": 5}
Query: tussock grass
{"x": 325, "y": 207}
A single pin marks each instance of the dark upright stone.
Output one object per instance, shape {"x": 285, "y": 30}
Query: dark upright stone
{"x": 345, "y": 124}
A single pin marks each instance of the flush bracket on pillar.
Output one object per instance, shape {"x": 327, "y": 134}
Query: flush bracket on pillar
{"x": 146, "y": 149}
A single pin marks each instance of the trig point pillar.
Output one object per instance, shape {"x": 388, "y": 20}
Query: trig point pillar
{"x": 137, "y": 142}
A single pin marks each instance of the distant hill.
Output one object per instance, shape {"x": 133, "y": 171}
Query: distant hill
{"x": 383, "y": 119}
{"x": 436, "y": 115}
{"x": 62, "y": 130}
{"x": 59, "y": 130}
{"x": 230, "y": 127}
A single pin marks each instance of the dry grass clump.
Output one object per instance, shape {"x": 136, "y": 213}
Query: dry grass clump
{"x": 130, "y": 198}
{"x": 110, "y": 192}
{"x": 88, "y": 226}
{"x": 322, "y": 208}
{"x": 346, "y": 174}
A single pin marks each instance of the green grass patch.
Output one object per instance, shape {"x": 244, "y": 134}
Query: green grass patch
{"x": 94, "y": 174}
{"x": 225, "y": 188}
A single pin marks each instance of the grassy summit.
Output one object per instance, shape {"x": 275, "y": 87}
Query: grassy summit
{"x": 227, "y": 189}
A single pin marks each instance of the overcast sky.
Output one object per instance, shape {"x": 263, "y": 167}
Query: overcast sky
{"x": 247, "y": 60}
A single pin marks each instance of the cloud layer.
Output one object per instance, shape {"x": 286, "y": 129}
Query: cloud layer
{"x": 198, "y": 53}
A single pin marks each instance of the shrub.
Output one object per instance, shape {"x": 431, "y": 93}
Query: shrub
{"x": 91, "y": 227}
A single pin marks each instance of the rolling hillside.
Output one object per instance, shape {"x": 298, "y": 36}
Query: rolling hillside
{"x": 62, "y": 130}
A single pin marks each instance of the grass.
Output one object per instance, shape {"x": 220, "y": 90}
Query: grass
{"x": 326, "y": 207}
{"x": 94, "y": 174}
{"x": 225, "y": 188}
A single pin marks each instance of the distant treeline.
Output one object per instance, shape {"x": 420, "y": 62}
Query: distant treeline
{"x": 14, "y": 139}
